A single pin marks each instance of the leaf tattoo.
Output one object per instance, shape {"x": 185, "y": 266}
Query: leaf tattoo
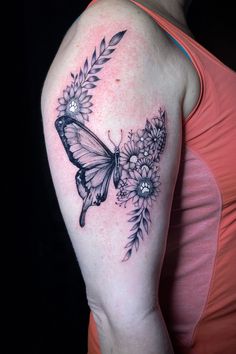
{"x": 76, "y": 102}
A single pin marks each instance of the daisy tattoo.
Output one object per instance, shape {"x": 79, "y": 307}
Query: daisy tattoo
{"x": 140, "y": 179}
{"x": 133, "y": 167}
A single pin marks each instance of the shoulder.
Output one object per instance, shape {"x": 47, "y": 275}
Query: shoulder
{"x": 104, "y": 15}
{"x": 145, "y": 43}
{"x": 145, "y": 65}
{"x": 109, "y": 10}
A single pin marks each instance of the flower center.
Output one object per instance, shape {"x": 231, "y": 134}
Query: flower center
{"x": 133, "y": 158}
{"x": 145, "y": 187}
{"x": 73, "y": 106}
{"x": 144, "y": 166}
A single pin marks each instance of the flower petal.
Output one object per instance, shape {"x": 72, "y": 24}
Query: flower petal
{"x": 137, "y": 175}
{"x": 144, "y": 172}
{"x": 66, "y": 95}
{"x": 135, "y": 198}
{"x": 62, "y": 107}
{"x": 85, "y": 117}
{"x": 87, "y": 104}
{"x": 130, "y": 188}
{"x": 132, "y": 194}
{"x": 72, "y": 92}
{"x": 79, "y": 117}
{"x": 132, "y": 165}
{"x": 85, "y": 110}
{"x": 141, "y": 202}
{"x": 83, "y": 95}
{"x": 132, "y": 174}
{"x": 133, "y": 182}
{"x": 86, "y": 99}
{"x": 61, "y": 100}
{"x": 78, "y": 92}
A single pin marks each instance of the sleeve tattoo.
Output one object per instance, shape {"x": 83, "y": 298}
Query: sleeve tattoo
{"x": 133, "y": 166}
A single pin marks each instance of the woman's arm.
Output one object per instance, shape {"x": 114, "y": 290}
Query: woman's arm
{"x": 112, "y": 122}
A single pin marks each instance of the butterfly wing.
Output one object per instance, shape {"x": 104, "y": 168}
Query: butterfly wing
{"x": 94, "y": 160}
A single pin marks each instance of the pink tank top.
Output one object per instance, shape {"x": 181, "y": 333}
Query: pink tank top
{"x": 198, "y": 282}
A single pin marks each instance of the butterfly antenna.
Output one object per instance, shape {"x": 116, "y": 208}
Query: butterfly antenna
{"x": 121, "y": 137}
{"x": 109, "y": 137}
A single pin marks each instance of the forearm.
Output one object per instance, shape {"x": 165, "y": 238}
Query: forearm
{"x": 146, "y": 334}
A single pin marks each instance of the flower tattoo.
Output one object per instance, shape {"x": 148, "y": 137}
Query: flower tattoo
{"x": 133, "y": 167}
{"x": 76, "y": 102}
{"x": 139, "y": 159}
{"x": 129, "y": 156}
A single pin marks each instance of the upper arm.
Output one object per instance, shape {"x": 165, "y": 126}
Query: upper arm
{"x": 139, "y": 90}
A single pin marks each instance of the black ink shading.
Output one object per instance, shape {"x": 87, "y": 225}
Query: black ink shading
{"x": 135, "y": 169}
{"x": 76, "y": 102}
{"x": 95, "y": 161}
{"x": 140, "y": 180}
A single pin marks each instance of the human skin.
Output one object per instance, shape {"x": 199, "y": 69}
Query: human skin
{"x": 145, "y": 75}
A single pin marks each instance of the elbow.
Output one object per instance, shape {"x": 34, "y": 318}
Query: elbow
{"x": 121, "y": 312}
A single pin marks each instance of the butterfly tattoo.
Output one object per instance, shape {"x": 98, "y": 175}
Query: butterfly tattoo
{"x": 94, "y": 159}
{"x": 133, "y": 167}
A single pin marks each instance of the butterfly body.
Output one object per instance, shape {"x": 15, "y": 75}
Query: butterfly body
{"x": 95, "y": 161}
{"x": 116, "y": 172}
